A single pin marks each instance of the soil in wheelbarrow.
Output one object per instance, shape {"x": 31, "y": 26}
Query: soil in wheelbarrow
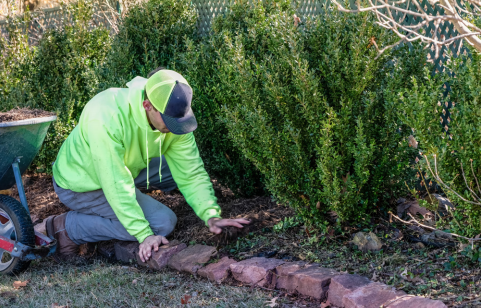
{"x": 261, "y": 210}
{"x": 18, "y": 114}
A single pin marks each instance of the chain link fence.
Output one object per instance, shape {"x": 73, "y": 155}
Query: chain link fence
{"x": 209, "y": 9}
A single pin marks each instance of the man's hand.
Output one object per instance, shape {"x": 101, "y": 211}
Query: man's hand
{"x": 151, "y": 242}
{"x": 216, "y": 224}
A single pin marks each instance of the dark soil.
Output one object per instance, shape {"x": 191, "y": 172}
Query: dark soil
{"x": 23, "y": 114}
{"x": 263, "y": 213}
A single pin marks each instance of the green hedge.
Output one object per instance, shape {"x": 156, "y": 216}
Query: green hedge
{"x": 152, "y": 34}
{"x": 307, "y": 105}
{"x": 307, "y": 110}
{"x": 447, "y": 129}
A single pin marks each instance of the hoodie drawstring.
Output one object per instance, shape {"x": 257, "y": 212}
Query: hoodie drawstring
{"x": 147, "y": 150}
{"x": 160, "y": 155}
{"x": 148, "y": 163}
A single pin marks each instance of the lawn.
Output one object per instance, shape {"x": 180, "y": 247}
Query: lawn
{"x": 102, "y": 284}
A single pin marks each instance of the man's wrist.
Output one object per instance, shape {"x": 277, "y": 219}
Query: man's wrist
{"x": 211, "y": 220}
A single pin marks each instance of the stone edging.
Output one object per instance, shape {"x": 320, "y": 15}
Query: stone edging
{"x": 327, "y": 285}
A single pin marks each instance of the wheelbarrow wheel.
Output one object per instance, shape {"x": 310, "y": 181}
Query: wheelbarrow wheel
{"x": 15, "y": 224}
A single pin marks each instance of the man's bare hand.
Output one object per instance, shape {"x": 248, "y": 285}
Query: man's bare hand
{"x": 150, "y": 243}
{"x": 216, "y": 224}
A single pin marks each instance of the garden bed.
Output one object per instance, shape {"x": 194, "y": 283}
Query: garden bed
{"x": 262, "y": 211}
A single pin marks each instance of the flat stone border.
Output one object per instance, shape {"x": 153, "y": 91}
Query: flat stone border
{"x": 327, "y": 285}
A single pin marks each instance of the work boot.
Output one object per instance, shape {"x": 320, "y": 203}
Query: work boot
{"x": 66, "y": 248}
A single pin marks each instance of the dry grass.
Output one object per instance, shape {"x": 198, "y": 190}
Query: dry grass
{"x": 103, "y": 284}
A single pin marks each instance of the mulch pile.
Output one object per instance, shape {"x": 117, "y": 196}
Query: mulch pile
{"x": 261, "y": 210}
{"x": 23, "y": 114}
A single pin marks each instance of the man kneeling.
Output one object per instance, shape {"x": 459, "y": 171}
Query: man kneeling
{"x": 121, "y": 136}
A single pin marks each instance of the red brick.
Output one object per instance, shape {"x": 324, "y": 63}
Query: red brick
{"x": 126, "y": 251}
{"x": 255, "y": 271}
{"x": 192, "y": 258}
{"x": 343, "y": 285}
{"x": 372, "y": 295}
{"x": 160, "y": 258}
{"x": 313, "y": 281}
{"x": 217, "y": 271}
{"x": 416, "y": 301}
{"x": 283, "y": 279}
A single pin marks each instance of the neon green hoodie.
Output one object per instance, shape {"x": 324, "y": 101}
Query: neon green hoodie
{"x": 113, "y": 142}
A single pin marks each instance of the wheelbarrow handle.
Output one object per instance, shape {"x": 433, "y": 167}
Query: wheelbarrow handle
{"x": 18, "y": 180}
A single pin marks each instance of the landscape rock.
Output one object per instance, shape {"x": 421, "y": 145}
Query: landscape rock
{"x": 367, "y": 242}
{"x": 126, "y": 251}
{"x": 160, "y": 258}
{"x": 372, "y": 295}
{"x": 192, "y": 258}
{"x": 283, "y": 278}
{"x": 218, "y": 271}
{"x": 344, "y": 285}
{"x": 255, "y": 271}
{"x": 415, "y": 301}
{"x": 312, "y": 281}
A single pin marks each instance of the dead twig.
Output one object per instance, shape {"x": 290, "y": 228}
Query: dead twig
{"x": 415, "y": 222}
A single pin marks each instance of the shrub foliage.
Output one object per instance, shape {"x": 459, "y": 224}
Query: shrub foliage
{"x": 307, "y": 106}
{"x": 307, "y": 109}
{"x": 445, "y": 123}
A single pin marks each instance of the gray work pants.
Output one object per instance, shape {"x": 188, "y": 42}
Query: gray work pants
{"x": 92, "y": 219}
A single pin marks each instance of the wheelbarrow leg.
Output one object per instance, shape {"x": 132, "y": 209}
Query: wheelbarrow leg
{"x": 18, "y": 179}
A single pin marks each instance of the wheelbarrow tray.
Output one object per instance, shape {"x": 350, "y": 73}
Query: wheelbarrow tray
{"x": 20, "y": 139}
{"x": 20, "y": 142}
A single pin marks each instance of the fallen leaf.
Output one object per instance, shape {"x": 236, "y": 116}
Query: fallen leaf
{"x": 416, "y": 208}
{"x": 20, "y": 284}
{"x": 185, "y": 299}
{"x": 326, "y": 304}
{"x": 272, "y": 302}
{"x": 297, "y": 20}
{"x": 412, "y": 142}
{"x": 403, "y": 206}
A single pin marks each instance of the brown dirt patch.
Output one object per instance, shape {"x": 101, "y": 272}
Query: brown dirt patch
{"x": 23, "y": 114}
{"x": 262, "y": 211}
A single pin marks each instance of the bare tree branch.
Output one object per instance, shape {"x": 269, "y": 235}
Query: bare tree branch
{"x": 454, "y": 13}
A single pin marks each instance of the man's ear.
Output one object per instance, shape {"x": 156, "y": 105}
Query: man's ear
{"x": 147, "y": 105}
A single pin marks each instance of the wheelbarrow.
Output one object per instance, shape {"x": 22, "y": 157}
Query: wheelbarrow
{"x": 20, "y": 142}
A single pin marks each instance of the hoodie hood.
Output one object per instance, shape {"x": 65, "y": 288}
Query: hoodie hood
{"x": 136, "y": 96}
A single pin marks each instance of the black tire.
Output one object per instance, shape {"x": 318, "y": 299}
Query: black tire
{"x": 24, "y": 231}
